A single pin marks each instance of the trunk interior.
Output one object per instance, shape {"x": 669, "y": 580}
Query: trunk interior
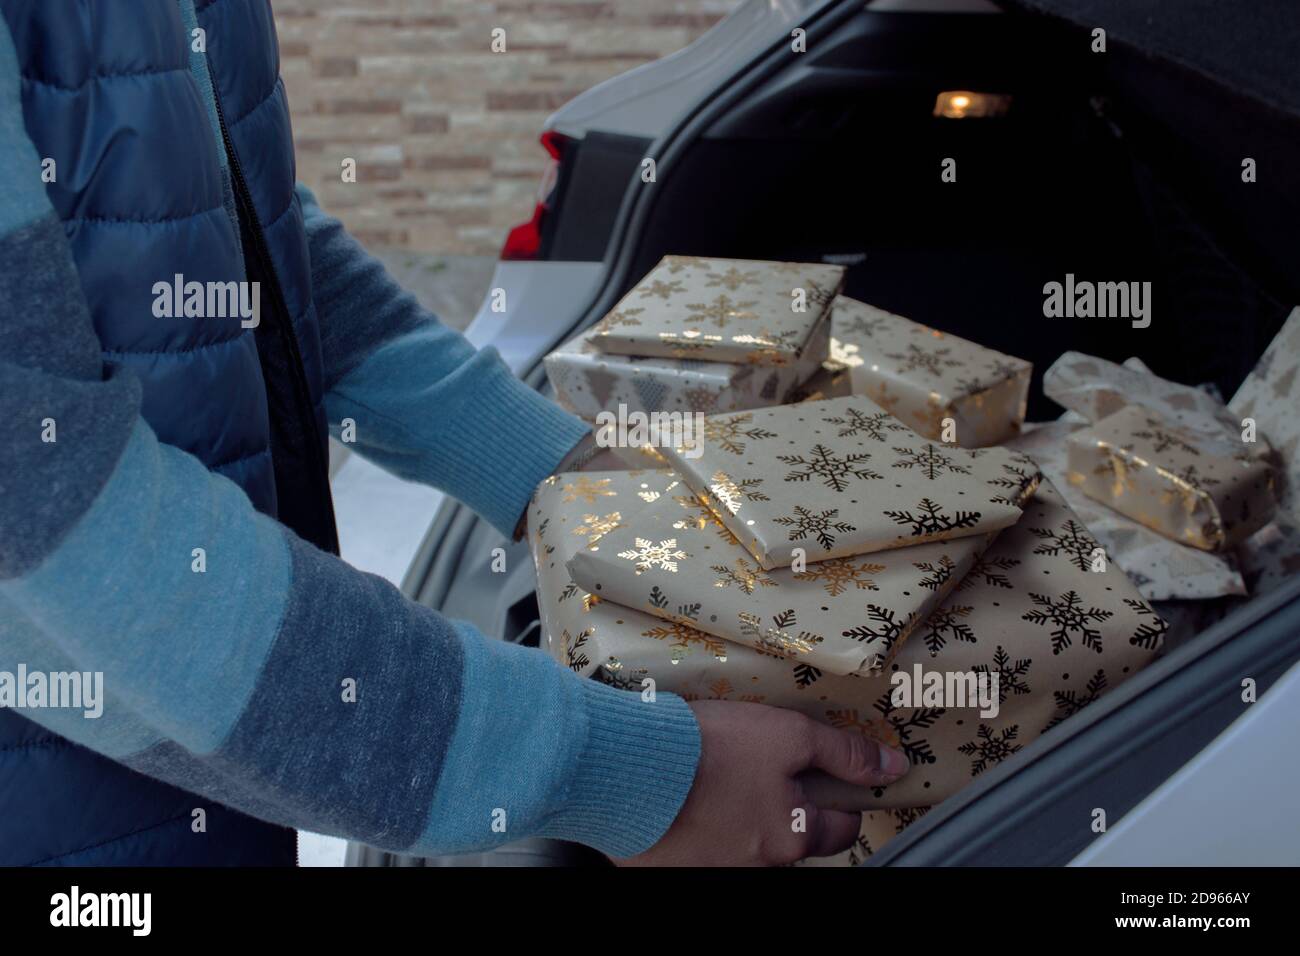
{"x": 1088, "y": 173}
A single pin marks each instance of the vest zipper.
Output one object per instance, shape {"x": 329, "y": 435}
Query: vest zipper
{"x": 319, "y": 527}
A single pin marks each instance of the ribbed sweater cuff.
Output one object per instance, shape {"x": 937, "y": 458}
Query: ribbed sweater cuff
{"x": 516, "y": 439}
{"x": 633, "y": 773}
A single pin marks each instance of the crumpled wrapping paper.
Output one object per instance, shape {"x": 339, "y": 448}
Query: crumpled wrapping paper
{"x": 1203, "y": 491}
{"x": 842, "y": 477}
{"x": 1271, "y": 396}
{"x": 588, "y": 381}
{"x": 1162, "y": 570}
{"x": 1056, "y": 635}
{"x": 1095, "y": 388}
{"x": 670, "y": 557}
{"x": 724, "y": 310}
{"x": 1091, "y": 388}
{"x": 922, "y": 376}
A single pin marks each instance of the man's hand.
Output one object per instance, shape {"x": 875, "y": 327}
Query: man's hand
{"x": 740, "y": 811}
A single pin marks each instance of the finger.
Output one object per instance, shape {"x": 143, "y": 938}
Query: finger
{"x": 832, "y": 831}
{"x": 855, "y": 758}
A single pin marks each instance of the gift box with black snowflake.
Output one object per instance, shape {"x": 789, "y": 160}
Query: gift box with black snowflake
{"x": 725, "y": 310}
{"x": 1032, "y": 613}
{"x": 841, "y": 477}
{"x": 677, "y": 561}
{"x": 588, "y": 381}
{"x": 926, "y": 377}
{"x": 1199, "y": 490}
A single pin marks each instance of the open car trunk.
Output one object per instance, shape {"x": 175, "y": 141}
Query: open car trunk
{"x": 1122, "y": 166}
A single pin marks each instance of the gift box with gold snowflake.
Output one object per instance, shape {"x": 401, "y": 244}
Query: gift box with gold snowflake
{"x": 1196, "y": 489}
{"x": 725, "y": 310}
{"x": 677, "y": 561}
{"x": 929, "y": 378}
{"x": 1033, "y": 634}
{"x": 837, "y": 478}
{"x": 589, "y": 381}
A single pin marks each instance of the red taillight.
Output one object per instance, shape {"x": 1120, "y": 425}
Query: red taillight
{"x": 524, "y": 241}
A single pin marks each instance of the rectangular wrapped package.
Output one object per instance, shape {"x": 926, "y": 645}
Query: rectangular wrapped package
{"x": 1208, "y": 493}
{"x": 588, "y": 381}
{"x": 674, "y": 559}
{"x": 924, "y": 376}
{"x": 840, "y": 477}
{"x": 724, "y": 310}
{"x": 1032, "y": 633}
{"x": 1159, "y": 568}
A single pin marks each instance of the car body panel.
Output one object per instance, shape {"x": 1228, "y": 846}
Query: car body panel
{"x": 543, "y": 300}
{"x": 1231, "y": 805}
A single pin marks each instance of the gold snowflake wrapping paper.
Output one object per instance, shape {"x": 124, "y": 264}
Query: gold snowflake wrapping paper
{"x": 1056, "y": 634}
{"x": 1094, "y": 389}
{"x": 588, "y": 381}
{"x": 840, "y": 477}
{"x": 677, "y": 561}
{"x": 725, "y": 310}
{"x": 922, "y": 376}
{"x": 1271, "y": 395}
{"x": 1194, "y": 489}
{"x": 1161, "y": 569}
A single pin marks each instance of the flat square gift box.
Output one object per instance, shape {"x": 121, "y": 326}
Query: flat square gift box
{"x": 724, "y": 310}
{"x": 676, "y": 561}
{"x": 588, "y": 381}
{"x": 1056, "y": 634}
{"x": 922, "y": 376}
{"x": 840, "y": 477}
{"x": 1208, "y": 494}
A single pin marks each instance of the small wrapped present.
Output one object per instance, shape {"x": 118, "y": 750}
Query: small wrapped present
{"x": 923, "y": 376}
{"x": 588, "y": 381}
{"x": 1031, "y": 636}
{"x": 841, "y": 477}
{"x": 677, "y": 561}
{"x": 1191, "y": 488}
{"x": 725, "y": 310}
{"x": 1159, "y": 568}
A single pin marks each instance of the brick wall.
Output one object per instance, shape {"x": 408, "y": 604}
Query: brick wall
{"x": 443, "y": 130}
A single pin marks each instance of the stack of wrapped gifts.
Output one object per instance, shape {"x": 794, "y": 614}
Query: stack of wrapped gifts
{"x": 862, "y": 527}
{"x": 809, "y": 554}
{"x": 702, "y": 335}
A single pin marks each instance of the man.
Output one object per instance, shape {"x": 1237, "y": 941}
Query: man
{"x": 165, "y": 517}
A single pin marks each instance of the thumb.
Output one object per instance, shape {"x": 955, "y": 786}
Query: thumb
{"x": 855, "y": 758}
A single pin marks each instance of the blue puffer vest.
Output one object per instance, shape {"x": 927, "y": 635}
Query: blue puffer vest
{"x": 109, "y": 94}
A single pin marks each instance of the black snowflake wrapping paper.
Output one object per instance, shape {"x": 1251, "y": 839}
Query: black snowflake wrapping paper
{"x": 1201, "y": 491}
{"x": 588, "y": 381}
{"x": 725, "y": 310}
{"x": 924, "y": 376}
{"x": 840, "y": 477}
{"x": 675, "y": 560}
{"x": 1057, "y": 634}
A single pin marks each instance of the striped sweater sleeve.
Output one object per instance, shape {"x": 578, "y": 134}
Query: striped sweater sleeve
{"x": 423, "y": 402}
{"x": 268, "y": 675}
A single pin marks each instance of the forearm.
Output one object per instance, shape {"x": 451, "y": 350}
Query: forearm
{"x": 280, "y": 681}
{"x": 421, "y": 401}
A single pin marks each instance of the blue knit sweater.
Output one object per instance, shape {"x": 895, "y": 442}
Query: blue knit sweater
{"x": 279, "y": 680}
